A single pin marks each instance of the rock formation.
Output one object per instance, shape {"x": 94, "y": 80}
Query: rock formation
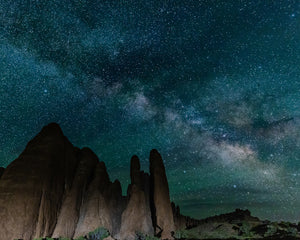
{"x": 54, "y": 189}
{"x": 32, "y": 187}
{"x": 237, "y": 215}
{"x": 137, "y": 215}
{"x": 116, "y": 204}
{"x": 181, "y": 221}
{"x": 240, "y": 225}
{"x": 94, "y": 210}
{"x": 69, "y": 213}
{"x": 162, "y": 215}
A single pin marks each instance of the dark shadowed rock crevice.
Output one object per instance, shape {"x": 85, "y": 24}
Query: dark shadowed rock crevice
{"x": 1, "y": 171}
{"x": 69, "y": 213}
{"x": 116, "y": 203}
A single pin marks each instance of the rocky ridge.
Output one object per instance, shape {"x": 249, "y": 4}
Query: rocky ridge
{"x": 239, "y": 225}
{"x": 54, "y": 189}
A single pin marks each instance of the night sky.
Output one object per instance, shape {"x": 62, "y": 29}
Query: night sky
{"x": 213, "y": 85}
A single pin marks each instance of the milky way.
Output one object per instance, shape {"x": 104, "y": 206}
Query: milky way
{"x": 213, "y": 85}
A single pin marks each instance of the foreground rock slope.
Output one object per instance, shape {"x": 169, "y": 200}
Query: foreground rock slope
{"x": 54, "y": 189}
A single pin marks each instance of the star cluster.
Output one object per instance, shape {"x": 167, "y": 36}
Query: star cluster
{"x": 213, "y": 85}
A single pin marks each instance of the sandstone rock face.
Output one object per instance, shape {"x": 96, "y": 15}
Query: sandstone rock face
{"x": 33, "y": 185}
{"x": 139, "y": 178}
{"x": 137, "y": 215}
{"x": 69, "y": 213}
{"x": 162, "y": 214}
{"x": 94, "y": 211}
{"x": 55, "y": 189}
{"x": 116, "y": 204}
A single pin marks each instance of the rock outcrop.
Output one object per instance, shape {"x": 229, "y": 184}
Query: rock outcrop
{"x": 237, "y": 215}
{"x": 181, "y": 221}
{"x": 162, "y": 215}
{"x": 69, "y": 213}
{"x": 116, "y": 204}
{"x": 54, "y": 189}
{"x": 94, "y": 210}
{"x": 240, "y": 225}
{"x": 32, "y": 187}
{"x": 137, "y": 215}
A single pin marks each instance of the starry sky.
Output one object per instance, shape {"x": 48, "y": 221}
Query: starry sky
{"x": 213, "y": 85}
